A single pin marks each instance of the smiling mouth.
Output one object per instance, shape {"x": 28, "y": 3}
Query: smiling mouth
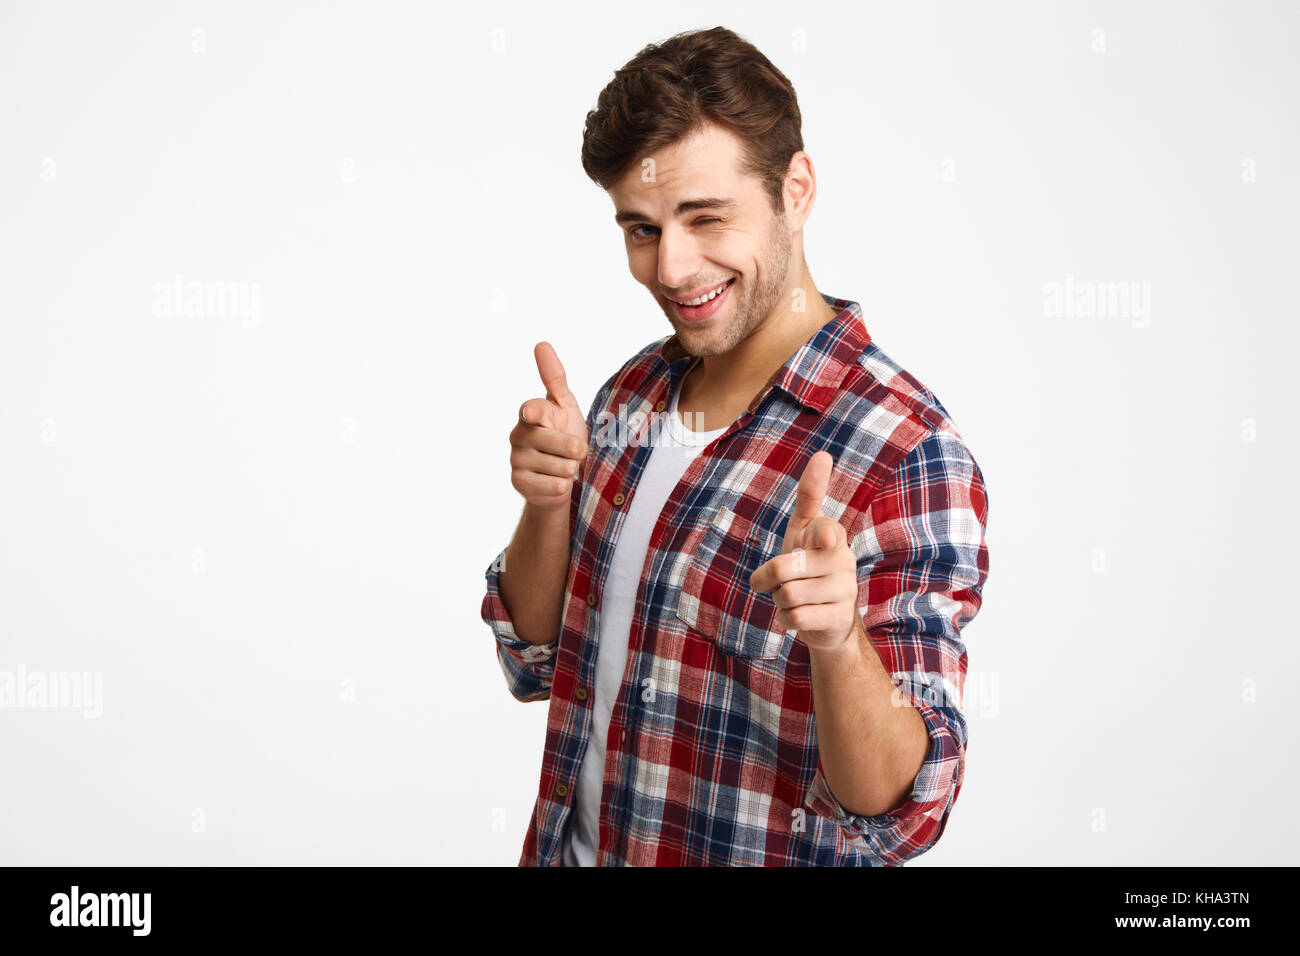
{"x": 711, "y": 294}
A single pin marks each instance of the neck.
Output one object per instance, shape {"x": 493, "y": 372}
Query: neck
{"x": 733, "y": 380}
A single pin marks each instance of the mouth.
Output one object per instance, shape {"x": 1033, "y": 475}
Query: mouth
{"x": 704, "y": 306}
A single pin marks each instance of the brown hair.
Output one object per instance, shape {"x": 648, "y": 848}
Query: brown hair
{"x": 671, "y": 89}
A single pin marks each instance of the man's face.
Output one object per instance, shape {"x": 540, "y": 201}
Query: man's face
{"x": 677, "y": 253}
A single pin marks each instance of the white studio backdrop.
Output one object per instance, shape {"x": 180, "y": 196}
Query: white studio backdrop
{"x": 256, "y": 519}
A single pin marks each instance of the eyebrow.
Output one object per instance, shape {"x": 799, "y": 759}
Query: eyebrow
{"x": 686, "y": 205}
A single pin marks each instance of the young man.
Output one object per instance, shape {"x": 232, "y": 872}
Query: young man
{"x": 740, "y": 579}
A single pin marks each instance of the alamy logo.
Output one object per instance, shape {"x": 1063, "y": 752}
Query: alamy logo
{"x": 101, "y": 909}
{"x": 627, "y": 429}
{"x": 68, "y": 690}
{"x": 194, "y": 299}
{"x": 1086, "y": 299}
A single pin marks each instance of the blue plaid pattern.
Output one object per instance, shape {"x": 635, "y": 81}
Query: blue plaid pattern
{"x": 711, "y": 750}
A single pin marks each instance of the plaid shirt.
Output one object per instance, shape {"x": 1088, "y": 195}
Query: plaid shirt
{"x": 712, "y": 752}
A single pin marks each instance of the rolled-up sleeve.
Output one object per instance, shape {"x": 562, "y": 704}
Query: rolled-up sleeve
{"x": 922, "y": 564}
{"x": 529, "y": 668}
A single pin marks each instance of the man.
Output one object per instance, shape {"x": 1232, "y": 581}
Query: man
{"x": 740, "y": 579}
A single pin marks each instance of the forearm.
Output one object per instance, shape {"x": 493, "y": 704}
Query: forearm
{"x": 535, "y": 568}
{"x": 870, "y": 748}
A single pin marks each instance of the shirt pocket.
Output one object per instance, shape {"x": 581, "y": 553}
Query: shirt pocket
{"x": 716, "y": 599}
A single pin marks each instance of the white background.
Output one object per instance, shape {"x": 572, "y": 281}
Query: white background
{"x": 240, "y": 521}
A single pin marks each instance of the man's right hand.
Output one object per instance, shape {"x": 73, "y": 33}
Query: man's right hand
{"x": 549, "y": 443}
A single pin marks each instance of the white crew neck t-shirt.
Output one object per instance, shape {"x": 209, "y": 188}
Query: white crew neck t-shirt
{"x": 671, "y": 454}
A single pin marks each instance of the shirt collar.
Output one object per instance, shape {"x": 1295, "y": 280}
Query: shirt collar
{"x": 812, "y": 375}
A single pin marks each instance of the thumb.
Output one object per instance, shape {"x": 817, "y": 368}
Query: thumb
{"x": 824, "y": 533}
{"x": 552, "y": 374}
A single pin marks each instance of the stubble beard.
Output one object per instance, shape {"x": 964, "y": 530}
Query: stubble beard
{"x": 753, "y": 307}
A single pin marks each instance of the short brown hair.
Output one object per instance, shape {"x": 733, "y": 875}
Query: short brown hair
{"x": 672, "y": 89}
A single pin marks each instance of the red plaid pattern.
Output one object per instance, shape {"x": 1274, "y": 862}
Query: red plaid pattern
{"x": 712, "y": 750}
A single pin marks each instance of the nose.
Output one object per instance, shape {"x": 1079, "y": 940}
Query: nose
{"x": 679, "y": 259}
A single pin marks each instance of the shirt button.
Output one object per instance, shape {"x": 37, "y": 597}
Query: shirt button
{"x": 622, "y": 737}
{"x": 619, "y": 499}
{"x": 661, "y": 406}
{"x": 561, "y": 790}
{"x": 581, "y": 693}
{"x": 591, "y": 599}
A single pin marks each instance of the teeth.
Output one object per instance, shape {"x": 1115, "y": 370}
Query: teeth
{"x": 700, "y": 300}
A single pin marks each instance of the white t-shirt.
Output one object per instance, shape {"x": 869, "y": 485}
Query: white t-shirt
{"x": 670, "y": 455}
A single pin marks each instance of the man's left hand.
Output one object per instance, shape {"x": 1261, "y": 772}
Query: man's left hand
{"x": 814, "y": 580}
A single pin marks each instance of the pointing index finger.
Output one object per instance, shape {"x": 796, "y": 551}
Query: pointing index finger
{"x": 813, "y": 485}
{"x": 551, "y": 371}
